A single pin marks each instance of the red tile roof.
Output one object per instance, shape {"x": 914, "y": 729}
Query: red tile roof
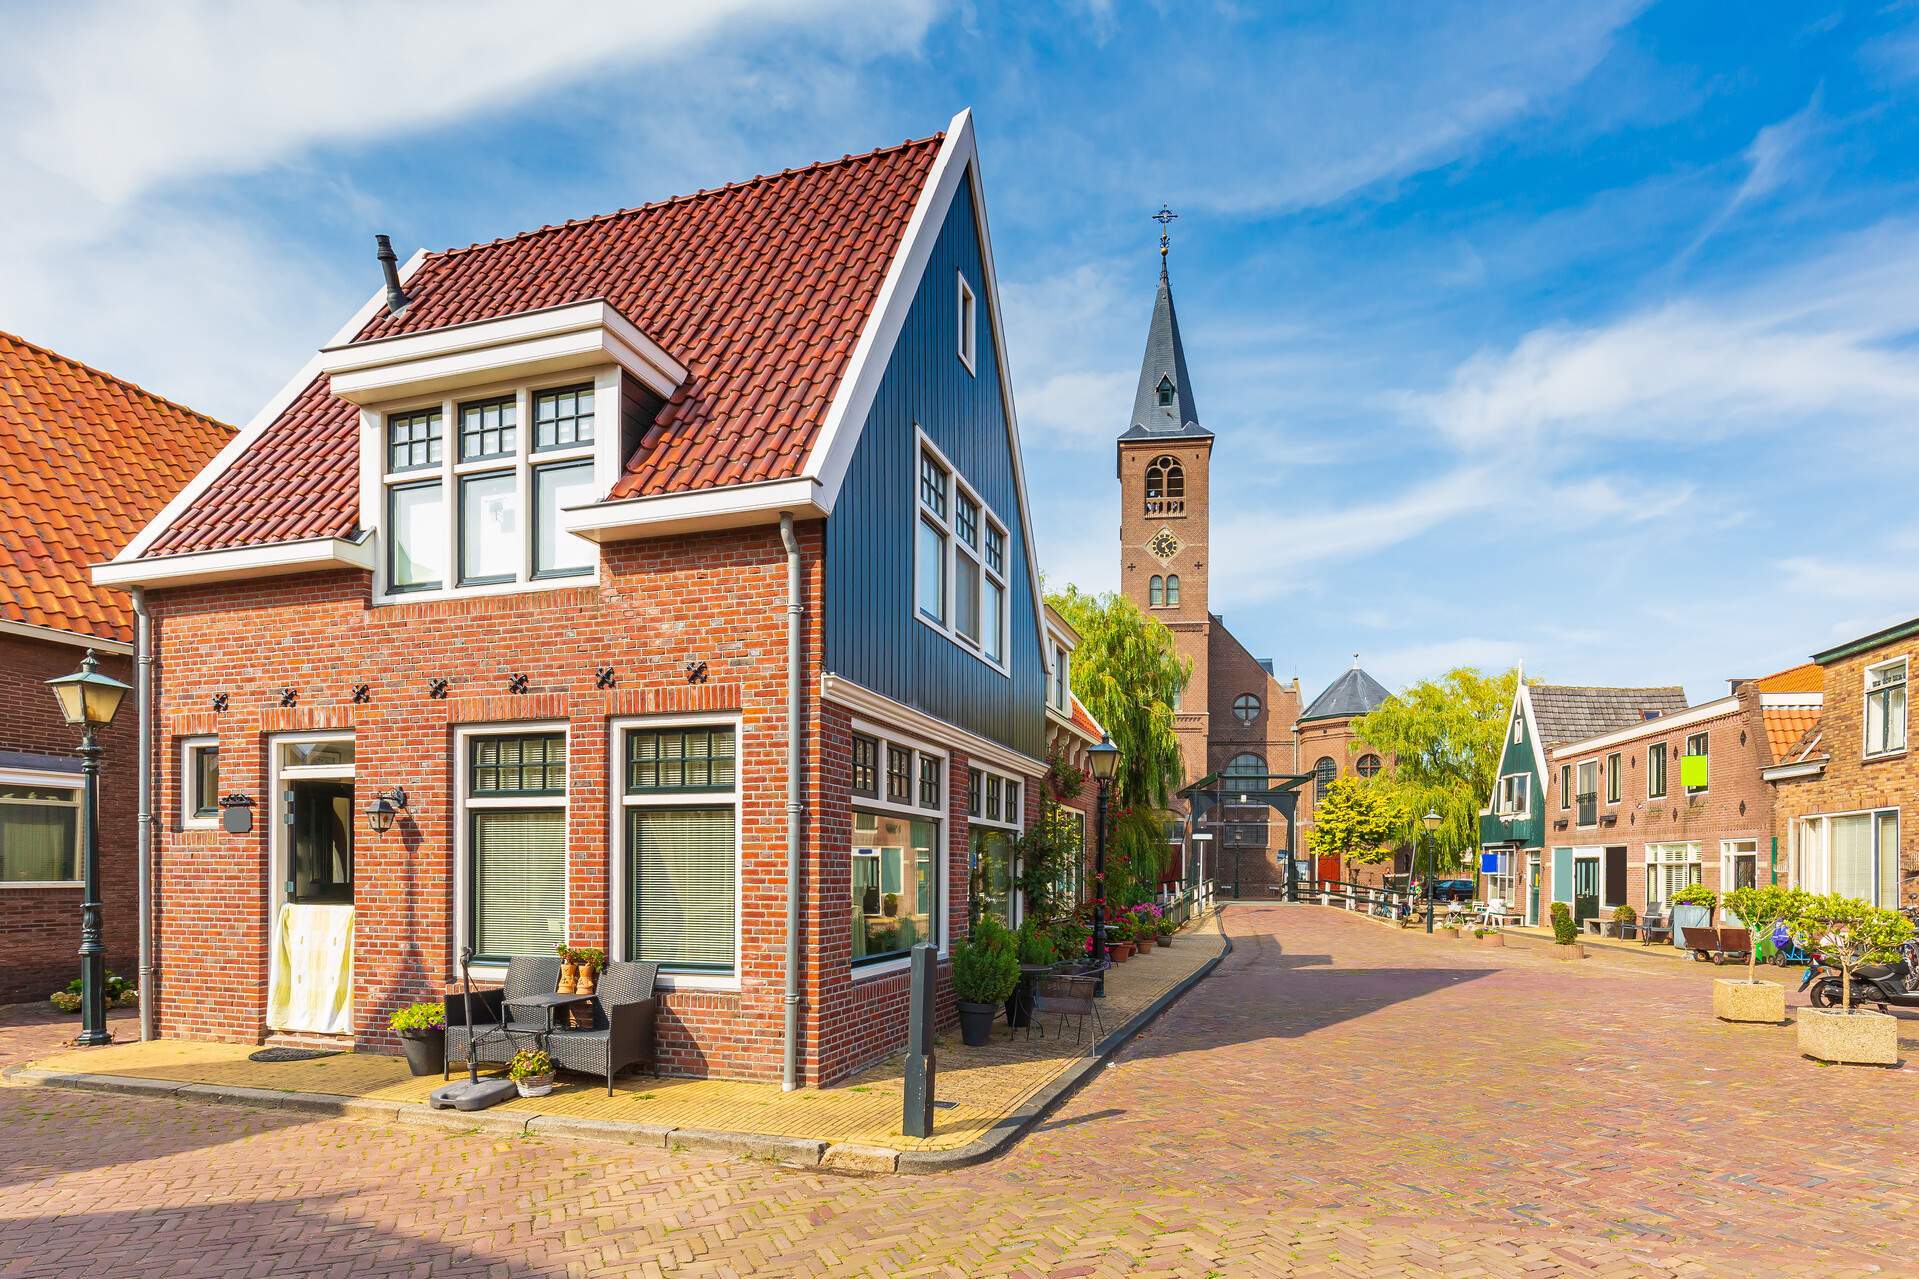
{"x": 1787, "y": 728}
{"x": 86, "y": 459}
{"x": 761, "y": 289}
{"x": 1804, "y": 678}
{"x": 1083, "y": 719}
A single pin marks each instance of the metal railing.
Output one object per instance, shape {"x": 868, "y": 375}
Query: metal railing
{"x": 1188, "y": 902}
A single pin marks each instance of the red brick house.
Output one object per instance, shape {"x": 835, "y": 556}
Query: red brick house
{"x": 85, "y": 460}
{"x": 1843, "y": 778}
{"x": 645, "y": 564}
{"x": 1626, "y": 827}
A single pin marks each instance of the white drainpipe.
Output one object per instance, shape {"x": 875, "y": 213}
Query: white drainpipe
{"x": 789, "y": 1078}
{"x": 143, "y": 701}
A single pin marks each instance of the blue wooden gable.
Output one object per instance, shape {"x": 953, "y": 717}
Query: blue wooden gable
{"x": 872, "y": 635}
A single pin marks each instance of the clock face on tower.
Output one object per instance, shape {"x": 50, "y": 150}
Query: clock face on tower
{"x": 1164, "y": 545}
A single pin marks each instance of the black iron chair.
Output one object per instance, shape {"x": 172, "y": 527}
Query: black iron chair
{"x": 625, "y": 1017}
{"x": 492, "y": 1039}
{"x": 1068, "y": 995}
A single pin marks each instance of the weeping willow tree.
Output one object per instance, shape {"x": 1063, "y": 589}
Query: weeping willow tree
{"x": 1129, "y": 677}
{"x": 1445, "y": 737}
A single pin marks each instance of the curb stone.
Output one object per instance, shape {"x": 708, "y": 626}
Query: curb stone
{"x": 800, "y": 1152}
{"x": 853, "y": 1158}
{"x": 613, "y": 1130}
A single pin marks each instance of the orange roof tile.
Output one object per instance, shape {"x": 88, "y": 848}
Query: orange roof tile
{"x": 88, "y": 460}
{"x": 1804, "y": 678}
{"x": 1787, "y": 727}
{"x": 1083, "y": 719}
{"x": 761, "y": 289}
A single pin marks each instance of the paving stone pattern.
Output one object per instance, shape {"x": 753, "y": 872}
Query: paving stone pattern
{"x": 1339, "y": 1098}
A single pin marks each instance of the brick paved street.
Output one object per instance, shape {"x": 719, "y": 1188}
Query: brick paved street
{"x": 1339, "y": 1098}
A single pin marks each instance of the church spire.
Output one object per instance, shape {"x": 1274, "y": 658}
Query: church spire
{"x": 1163, "y": 404}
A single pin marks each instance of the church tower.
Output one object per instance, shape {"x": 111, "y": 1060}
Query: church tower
{"x": 1164, "y": 459}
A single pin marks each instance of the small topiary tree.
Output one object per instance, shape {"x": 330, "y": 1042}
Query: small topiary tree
{"x": 1696, "y": 895}
{"x": 1761, "y": 909}
{"x": 985, "y": 971}
{"x": 1565, "y": 930}
{"x": 1849, "y": 932}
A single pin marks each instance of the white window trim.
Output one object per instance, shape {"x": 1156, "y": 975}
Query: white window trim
{"x": 1685, "y": 790}
{"x": 1656, "y": 855}
{"x": 1579, "y": 784}
{"x": 988, "y": 518}
{"x": 1018, "y": 824}
{"x": 188, "y": 777}
{"x": 376, "y": 480}
{"x": 1865, "y": 702}
{"x": 1615, "y": 792}
{"x": 1802, "y": 871}
{"x": 968, "y": 317}
{"x": 618, "y": 801}
{"x": 52, "y": 781}
{"x": 1526, "y": 810}
{"x": 1729, "y": 849}
{"x": 277, "y": 776}
{"x": 1665, "y": 771}
{"x": 463, "y": 804}
{"x": 887, "y": 736}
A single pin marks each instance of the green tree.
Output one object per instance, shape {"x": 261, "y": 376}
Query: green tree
{"x": 1761, "y": 908}
{"x": 1445, "y": 737}
{"x": 1848, "y": 932}
{"x": 1356, "y": 821}
{"x": 1126, "y": 672}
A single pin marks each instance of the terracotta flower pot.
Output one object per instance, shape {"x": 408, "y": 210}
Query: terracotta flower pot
{"x": 1491, "y": 939}
{"x": 569, "y": 977}
{"x": 1119, "y": 951}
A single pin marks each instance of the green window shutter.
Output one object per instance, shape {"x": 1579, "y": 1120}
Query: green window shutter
{"x": 1563, "y": 875}
{"x": 681, "y": 880}
{"x": 519, "y": 882}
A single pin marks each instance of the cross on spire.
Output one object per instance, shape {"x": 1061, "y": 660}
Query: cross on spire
{"x": 1164, "y": 217}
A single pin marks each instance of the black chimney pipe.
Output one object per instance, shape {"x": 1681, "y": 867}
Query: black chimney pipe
{"x": 395, "y": 295}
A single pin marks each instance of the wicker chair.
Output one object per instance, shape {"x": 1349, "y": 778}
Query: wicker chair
{"x": 625, "y": 1014}
{"x": 497, "y": 1042}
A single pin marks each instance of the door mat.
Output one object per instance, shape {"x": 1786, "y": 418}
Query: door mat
{"x": 271, "y": 1055}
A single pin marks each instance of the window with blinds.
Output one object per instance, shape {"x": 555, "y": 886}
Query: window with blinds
{"x": 680, "y": 874}
{"x": 519, "y": 882}
{"x": 39, "y": 834}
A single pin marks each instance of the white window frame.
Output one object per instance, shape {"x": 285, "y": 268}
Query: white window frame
{"x": 463, "y": 736}
{"x": 278, "y": 774}
{"x": 50, "y": 780}
{"x": 1659, "y": 856}
{"x": 189, "y": 778}
{"x": 1812, "y": 852}
{"x": 618, "y": 801}
{"x": 1665, "y": 771}
{"x": 1580, "y": 792}
{"x": 1865, "y": 707}
{"x": 1687, "y": 753}
{"x": 887, "y": 736}
{"x": 1614, "y": 790}
{"x": 1730, "y": 849}
{"x": 949, "y": 627}
{"x": 1060, "y": 679}
{"x": 1015, "y": 826}
{"x": 378, "y": 480}
{"x": 1525, "y": 788}
{"x": 968, "y": 318}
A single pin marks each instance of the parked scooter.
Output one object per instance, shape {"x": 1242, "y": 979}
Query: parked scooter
{"x": 1887, "y": 985}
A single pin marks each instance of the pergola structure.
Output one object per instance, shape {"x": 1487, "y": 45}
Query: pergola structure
{"x": 1278, "y": 791}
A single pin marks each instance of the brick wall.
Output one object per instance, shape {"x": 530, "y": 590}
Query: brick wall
{"x": 40, "y": 927}
{"x": 1850, "y": 781}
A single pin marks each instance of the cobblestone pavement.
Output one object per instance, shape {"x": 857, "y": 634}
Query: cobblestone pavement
{"x": 1339, "y": 1098}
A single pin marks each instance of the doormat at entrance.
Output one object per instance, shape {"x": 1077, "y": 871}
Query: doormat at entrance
{"x": 271, "y": 1055}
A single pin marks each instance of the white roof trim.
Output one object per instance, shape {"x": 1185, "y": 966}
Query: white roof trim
{"x": 857, "y": 697}
{"x": 734, "y": 506}
{"x": 1792, "y": 701}
{"x": 56, "y": 635}
{"x": 270, "y": 560}
{"x": 256, "y": 426}
{"x": 1652, "y": 727}
{"x": 1786, "y": 772}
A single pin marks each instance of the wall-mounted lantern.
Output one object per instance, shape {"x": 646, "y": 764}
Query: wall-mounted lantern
{"x": 385, "y": 807}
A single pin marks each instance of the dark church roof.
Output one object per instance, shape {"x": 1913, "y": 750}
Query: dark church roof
{"x": 1353, "y": 693}
{"x": 1165, "y": 361}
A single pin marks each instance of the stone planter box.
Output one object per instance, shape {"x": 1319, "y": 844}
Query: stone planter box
{"x": 1447, "y": 932}
{"x": 1741, "y": 1000}
{"x": 1491, "y": 939}
{"x": 1863, "y": 1038}
{"x": 1572, "y": 950}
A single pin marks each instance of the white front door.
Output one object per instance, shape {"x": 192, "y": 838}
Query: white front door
{"x": 311, "y": 939}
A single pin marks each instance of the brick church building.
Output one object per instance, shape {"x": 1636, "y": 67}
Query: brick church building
{"x": 1237, "y": 719}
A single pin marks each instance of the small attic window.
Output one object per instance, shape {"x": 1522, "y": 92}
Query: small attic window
{"x": 968, "y": 325}
{"x": 1165, "y": 391}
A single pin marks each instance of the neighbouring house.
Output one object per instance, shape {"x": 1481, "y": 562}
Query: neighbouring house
{"x": 625, "y": 566}
{"x": 1842, "y": 784}
{"x": 85, "y": 460}
{"x": 1071, "y": 731}
{"x": 1513, "y": 825}
{"x": 1640, "y": 812}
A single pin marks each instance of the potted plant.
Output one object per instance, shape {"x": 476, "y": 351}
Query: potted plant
{"x": 985, "y": 972}
{"x": 1691, "y": 908}
{"x": 531, "y": 1071}
{"x": 1119, "y": 939}
{"x": 422, "y": 1031}
{"x": 1760, "y": 909}
{"x": 1623, "y": 918}
{"x": 890, "y": 905}
{"x": 1166, "y": 929}
{"x": 1488, "y": 937}
{"x": 1565, "y": 933}
{"x": 1036, "y": 955}
{"x": 569, "y": 969}
{"x": 1847, "y": 933}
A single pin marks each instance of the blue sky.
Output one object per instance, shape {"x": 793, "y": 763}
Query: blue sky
{"x": 1577, "y": 334}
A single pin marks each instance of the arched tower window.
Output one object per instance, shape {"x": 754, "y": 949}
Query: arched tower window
{"x": 1165, "y": 487}
{"x": 1245, "y": 766}
{"x": 1172, "y": 590}
{"x": 1323, "y": 773}
{"x": 1368, "y": 766}
{"x": 1156, "y": 591}
{"x": 1165, "y": 391}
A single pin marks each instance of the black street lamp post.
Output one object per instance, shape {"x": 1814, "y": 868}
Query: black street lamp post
{"x": 88, "y": 701}
{"x": 1431, "y": 822}
{"x": 1104, "y": 760}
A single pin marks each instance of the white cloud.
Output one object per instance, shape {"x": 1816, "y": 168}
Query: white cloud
{"x": 1775, "y": 156}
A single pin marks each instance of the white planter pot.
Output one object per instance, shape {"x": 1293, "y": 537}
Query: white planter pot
{"x": 1862, "y": 1038}
{"x": 1741, "y": 1000}
{"x": 537, "y": 1086}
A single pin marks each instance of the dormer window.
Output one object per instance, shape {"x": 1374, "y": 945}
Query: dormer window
{"x": 502, "y": 527}
{"x": 968, "y": 326}
{"x": 1165, "y": 391}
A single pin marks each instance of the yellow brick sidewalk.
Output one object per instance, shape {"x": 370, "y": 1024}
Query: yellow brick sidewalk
{"x": 984, "y": 1084}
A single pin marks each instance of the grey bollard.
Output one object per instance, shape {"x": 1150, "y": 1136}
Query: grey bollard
{"x": 917, "y": 1109}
